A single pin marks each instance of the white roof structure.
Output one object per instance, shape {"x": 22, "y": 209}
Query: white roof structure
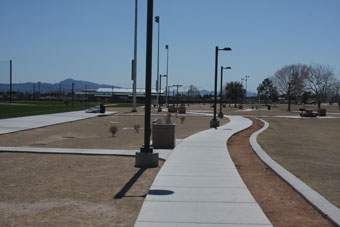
{"x": 126, "y": 91}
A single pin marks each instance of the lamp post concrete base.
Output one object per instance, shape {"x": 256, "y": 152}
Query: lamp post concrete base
{"x": 214, "y": 123}
{"x": 146, "y": 160}
{"x": 220, "y": 115}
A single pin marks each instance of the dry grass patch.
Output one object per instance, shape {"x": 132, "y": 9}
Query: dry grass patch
{"x": 94, "y": 133}
{"x": 309, "y": 148}
{"x": 69, "y": 190}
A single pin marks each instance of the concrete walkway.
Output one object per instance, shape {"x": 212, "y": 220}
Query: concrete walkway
{"x": 199, "y": 185}
{"x": 23, "y": 123}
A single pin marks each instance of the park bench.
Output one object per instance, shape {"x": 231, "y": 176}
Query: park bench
{"x": 307, "y": 113}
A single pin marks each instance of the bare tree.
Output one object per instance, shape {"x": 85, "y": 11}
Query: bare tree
{"x": 337, "y": 92}
{"x": 295, "y": 75}
{"x": 321, "y": 81}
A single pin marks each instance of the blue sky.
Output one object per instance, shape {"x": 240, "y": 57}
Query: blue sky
{"x": 51, "y": 40}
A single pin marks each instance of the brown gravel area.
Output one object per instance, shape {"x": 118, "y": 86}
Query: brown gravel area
{"x": 94, "y": 133}
{"x": 69, "y": 190}
{"x": 280, "y": 202}
{"x": 79, "y": 190}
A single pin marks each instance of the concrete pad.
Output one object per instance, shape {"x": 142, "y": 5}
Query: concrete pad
{"x": 206, "y": 213}
{"x": 217, "y": 195}
{"x": 199, "y": 181}
{"x": 193, "y": 171}
{"x": 163, "y": 154}
{"x": 199, "y": 185}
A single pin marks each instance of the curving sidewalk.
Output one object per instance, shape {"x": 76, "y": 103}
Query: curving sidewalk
{"x": 199, "y": 185}
{"x": 319, "y": 202}
{"x": 24, "y": 123}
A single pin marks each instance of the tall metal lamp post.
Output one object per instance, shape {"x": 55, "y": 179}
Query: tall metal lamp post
{"x": 245, "y": 95}
{"x": 167, "y": 73}
{"x": 158, "y": 76}
{"x": 134, "y": 63}
{"x": 166, "y": 88}
{"x": 146, "y": 158}
{"x": 214, "y": 123}
{"x": 220, "y": 114}
{"x": 10, "y": 81}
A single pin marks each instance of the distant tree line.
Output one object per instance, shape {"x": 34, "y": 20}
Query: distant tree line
{"x": 297, "y": 83}
{"x": 307, "y": 83}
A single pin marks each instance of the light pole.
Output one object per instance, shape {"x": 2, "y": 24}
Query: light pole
{"x": 245, "y": 95}
{"x": 158, "y": 78}
{"x": 166, "y": 89}
{"x": 134, "y": 63}
{"x": 59, "y": 91}
{"x": 72, "y": 92}
{"x": 220, "y": 115}
{"x": 10, "y": 81}
{"x": 146, "y": 158}
{"x": 242, "y": 79}
{"x": 214, "y": 123}
{"x": 167, "y": 73}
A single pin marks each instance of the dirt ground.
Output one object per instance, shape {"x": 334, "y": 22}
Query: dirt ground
{"x": 71, "y": 190}
{"x": 282, "y": 205}
{"x": 308, "y": 148}
{"x": 79, "y": 190}
{"x": 94, "y": 133}
{"x": 278, "y": 109}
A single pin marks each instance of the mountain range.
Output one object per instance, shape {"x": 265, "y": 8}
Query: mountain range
{"x": 65, "y": 85}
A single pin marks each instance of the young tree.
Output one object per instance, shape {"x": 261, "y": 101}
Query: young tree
{"x": 321, "y": 81}
{"x": 235, "y": 91}
{"x": 274, "y": 94}
{"x": 265, "y": 89}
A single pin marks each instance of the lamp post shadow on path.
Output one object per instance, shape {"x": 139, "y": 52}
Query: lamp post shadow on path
{"x": 146, "y": 158}
{"x": 214, "y": 123}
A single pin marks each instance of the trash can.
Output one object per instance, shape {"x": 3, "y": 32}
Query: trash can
{"x": 101, "y": 109}
{"x": 322, "y": 112}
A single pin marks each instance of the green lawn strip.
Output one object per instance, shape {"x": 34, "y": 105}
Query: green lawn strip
{"x": 30, "y": 108}
{"x": 308, "y": 148}
{"x": 10, "y": 111}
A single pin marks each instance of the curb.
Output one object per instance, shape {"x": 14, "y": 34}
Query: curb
{"x": 326, "y": 208}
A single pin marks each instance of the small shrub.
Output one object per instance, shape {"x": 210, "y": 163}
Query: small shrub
{"x": 182, "y": 119}
{"x": 67, "y": 102}
{"x": 137, "y": 127}
{"x": 113, "y": 130}
{"x": 168, "y": 118}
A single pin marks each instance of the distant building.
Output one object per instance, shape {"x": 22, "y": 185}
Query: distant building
{"x": 117, "y": 93}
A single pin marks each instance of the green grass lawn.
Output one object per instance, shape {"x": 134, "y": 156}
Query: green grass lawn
{"x": 29, "y": 108}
